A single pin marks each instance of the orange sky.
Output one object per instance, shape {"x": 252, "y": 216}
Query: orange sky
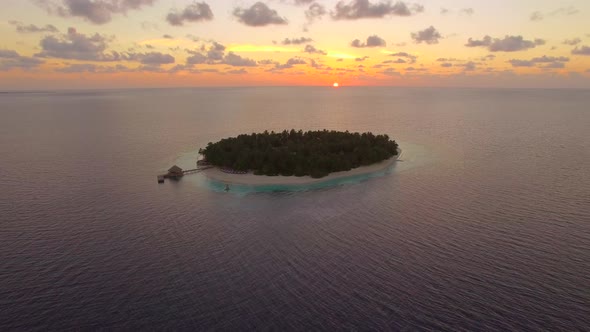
{"x": 48, "y": 44}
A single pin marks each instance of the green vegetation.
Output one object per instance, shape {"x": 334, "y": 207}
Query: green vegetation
{"x": 315, "y": 153}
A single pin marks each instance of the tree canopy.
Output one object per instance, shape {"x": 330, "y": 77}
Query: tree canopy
{"x": 287, "y": 153}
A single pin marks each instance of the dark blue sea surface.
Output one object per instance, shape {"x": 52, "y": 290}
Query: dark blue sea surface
{"x": 484, "y": 224}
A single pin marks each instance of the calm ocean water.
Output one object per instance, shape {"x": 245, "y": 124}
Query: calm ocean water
{"x": 483, "y": 225}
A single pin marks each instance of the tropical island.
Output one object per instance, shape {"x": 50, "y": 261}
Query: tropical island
{"x": 314, "y": 154}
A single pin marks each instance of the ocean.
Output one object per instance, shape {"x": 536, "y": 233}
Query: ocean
{"x": 484, "y": 223}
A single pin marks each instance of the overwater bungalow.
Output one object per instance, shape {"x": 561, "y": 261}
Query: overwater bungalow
{"x": 175, "y": 172}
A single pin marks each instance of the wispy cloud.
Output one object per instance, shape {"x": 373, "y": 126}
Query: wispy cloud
{"x": 32, "y": 28}
{"x": 572, "y": 42}
{"x": 404, "y": 55}
{"x": 548, "y": 61}
{"x": 296, "y": 41}
{"x": 563, "y": 11}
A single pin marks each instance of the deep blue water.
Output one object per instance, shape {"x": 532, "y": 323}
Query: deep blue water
{"x": 483, "y": 225}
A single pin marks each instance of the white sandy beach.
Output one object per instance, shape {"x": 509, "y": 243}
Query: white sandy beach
{"x": 257, "y": 180}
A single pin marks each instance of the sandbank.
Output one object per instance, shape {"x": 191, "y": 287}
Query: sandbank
{"x": 261, "y": 180}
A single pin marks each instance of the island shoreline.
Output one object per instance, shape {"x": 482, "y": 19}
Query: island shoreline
{"x": 250, "y": 179}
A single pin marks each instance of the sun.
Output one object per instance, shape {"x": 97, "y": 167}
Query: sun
{"x": 335, "y": 84}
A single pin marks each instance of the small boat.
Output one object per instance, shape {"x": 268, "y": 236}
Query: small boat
{"x": 227, "y": 187}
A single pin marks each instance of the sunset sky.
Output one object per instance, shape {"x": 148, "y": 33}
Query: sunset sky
{"x": 49, "y": 44}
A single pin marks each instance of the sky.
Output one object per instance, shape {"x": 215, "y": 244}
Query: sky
{"x": 73, "y": 44}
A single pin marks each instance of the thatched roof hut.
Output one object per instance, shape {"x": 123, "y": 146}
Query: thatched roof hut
{"x": 175, "y": 171}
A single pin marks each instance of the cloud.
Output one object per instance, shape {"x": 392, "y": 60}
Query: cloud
{"x": 31, "y": 28}
{"x": 361, "y": 59}
{"x": 115, "y": 69}
{"x": 429, "y": 36}
{"x": 150, "y": 58}
{"x": 196, "y": 58}
{"x": 149, "y": 26}
{"x": 8, "y": 54}
{"x": 312, "y": 50}
{"x": 215, "y": 55}
{"x": 416, "y": 69}
{"x": 467, "y": 11}
{"x": 258, "y": 15}
{"x": 563, "y": 11}
{"x": 508, "y": 44}
{"x": 315, "y": 64}
{"x": 191, "y": 70}
{"x": 572, "y": 42}
{"x": 446, "y": 59}
{"x": 296, "y": 2}
{"x": 150, "y": 68}
{"x": 167, "y": 37}
{"x": 235, "y": 60}
{"x": 216, "y": 51}
{"x": 289, "y": 64}
{"x": 10, "y": 59}
{"x": 267, "y": 62}
{"x": 180, "y": 67}
{"x": 469, "y": 66}
{"x": 536, "y": 16}
{"x": 486, "y": 41}
{"x": 521, "y": 63}
{"x": 22, "y": 62}
{"x": 357, "y": 9}
{"x": 94, "y": 11}
{"x": 584, "y": 50}
{"x": 548, "y": 61}
{"x": 92, "y": 68}
{"x": 195, "y": 12}
{"x": 78, "y": 68}
{"x": 74, "y": 45}
{"x": 463, "y": 11}
{"x": 78, "y": 46}
{"x": 237, "y": 71}
{"x": 296, "y": 41}
{"x": 372, "y": 41}
{"x": 315, "y": 12}
{"x": 410, "y": 57}
{"x": 554, "y": 65}
{"x": 390, "y": 72}
{"x": 446, "y": 64}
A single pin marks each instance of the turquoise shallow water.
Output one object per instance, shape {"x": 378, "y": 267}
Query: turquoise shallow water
{"x": 483, "y": 225}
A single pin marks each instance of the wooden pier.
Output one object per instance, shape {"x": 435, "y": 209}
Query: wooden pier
{"x": 176, "y": 172}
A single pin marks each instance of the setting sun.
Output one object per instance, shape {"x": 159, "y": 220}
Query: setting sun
{"x": 336, "y": 85}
